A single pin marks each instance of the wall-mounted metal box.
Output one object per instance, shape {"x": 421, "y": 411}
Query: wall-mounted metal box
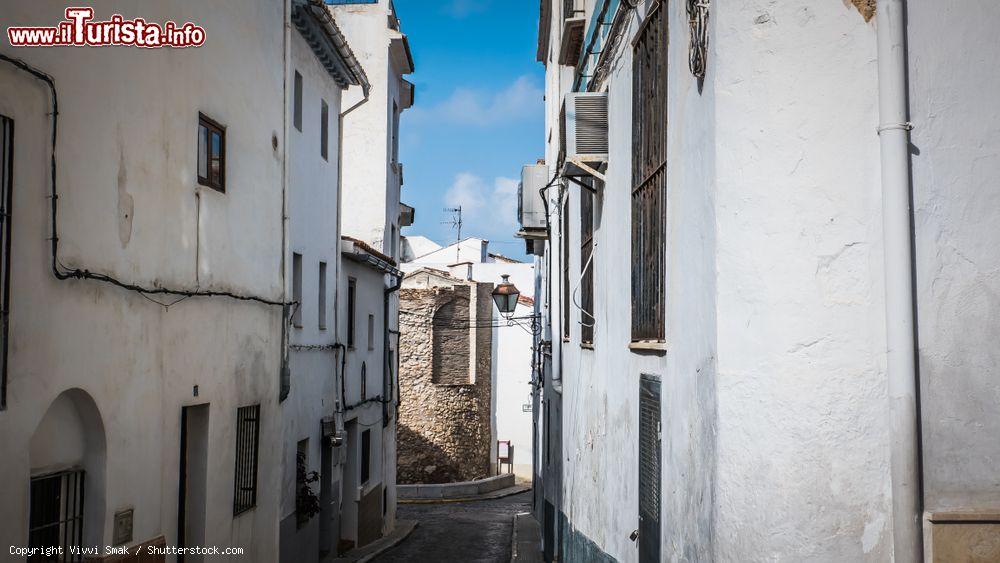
{"x": 530, "y": 205}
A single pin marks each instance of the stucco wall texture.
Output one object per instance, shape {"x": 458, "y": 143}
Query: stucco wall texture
{"x": 445, "y": 430}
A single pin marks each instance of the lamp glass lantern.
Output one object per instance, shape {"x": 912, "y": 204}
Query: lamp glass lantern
{"x": 505, "y": 296}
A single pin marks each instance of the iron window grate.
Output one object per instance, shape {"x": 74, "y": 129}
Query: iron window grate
{"x": 247, "y": 442}
{"x": 6, "y": 204}
{"x": 56, "y": 514}
{"x": 649, "y": 179}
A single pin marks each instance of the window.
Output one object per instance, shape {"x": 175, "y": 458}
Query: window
{"x": 297, "y": 289}
{"x": 364, "y": 380}
{"x": 649, "y": 179}
{"x": 352, "y": 290}
{"x": 6, "y": 202}
{"x": 366, "y": 456}
{"x": 393, "y": 240}
{"x": 395, "y": 132}
{"x": 55, "y": 517}
{"x": 587, "y": 267}
{"x": 297, "y": 118}
{"x": 211, "y": 153}
{"x": 371, "y": 332}
{"x": 564, "y": 218}
{"x": 322, "y": 296}
{"x": 324, "y": 129}
{"x": 247, "y": 440}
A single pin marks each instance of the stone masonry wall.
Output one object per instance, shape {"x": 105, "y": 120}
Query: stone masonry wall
{"x": 444, "y": 432}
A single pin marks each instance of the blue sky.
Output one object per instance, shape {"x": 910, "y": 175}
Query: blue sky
{"x": 478, "y": 117}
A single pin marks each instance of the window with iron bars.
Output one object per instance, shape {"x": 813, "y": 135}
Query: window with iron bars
{"x": 587, "y": 266}
{"x": 6, "y": 200}
{"x": 649, "y": 179}
{"x": 55, "y": 518}
{"x": 247, "y": 442}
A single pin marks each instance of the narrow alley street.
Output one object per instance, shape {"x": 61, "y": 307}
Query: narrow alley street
{"x": 475, "y": 531}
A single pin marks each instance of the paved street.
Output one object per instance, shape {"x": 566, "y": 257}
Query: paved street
{"x": 476, "y": 531}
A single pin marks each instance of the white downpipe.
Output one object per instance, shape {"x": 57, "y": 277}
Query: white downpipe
{"x": 901, "y": 363}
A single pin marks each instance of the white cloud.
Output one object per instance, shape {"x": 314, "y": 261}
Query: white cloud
{"x": 463, "y": 8}
{"x": 520, "y": 100}
{"x": 488, "y": 210}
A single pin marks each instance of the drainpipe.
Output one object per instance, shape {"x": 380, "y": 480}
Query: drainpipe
{"x": 366, "y": 91}
{"x": 905, "y": 462}
{"x": 285, "y": 374}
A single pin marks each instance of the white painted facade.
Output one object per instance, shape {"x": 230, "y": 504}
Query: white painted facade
{"x": 775, "y": 435}
{"x": 512, "y": 345}
{"x": 99, "y": 375}
{"x": 313, "y": 267}
{"x": 372, "y": 171}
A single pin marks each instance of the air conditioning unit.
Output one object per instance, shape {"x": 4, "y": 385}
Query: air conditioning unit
{"x": 530, "y": 205}
{"x": 584, "y": 128}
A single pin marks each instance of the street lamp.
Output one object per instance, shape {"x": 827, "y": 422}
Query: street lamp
{"x": 505, "y": 296}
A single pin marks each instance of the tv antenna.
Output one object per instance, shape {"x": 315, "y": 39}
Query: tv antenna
{"x": 456, "y": 223}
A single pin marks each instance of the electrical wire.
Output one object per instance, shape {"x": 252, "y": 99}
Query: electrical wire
{"x": 63, "y": 272}
{"x": 697, "y": 11}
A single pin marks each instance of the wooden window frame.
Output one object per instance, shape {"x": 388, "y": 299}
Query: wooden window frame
{"x": 211, "y": 126}
{"x": 649, "y": 179}
{"x": 247, "y": 457}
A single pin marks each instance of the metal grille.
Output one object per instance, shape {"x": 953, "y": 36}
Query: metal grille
{"x": 586, "y": 266}
{"x": 649, "y": 467}
{"x": 649, "y": 179}
{"x": 6, "y": 202}
{"x": 570, "y": 8}
{"x": 56, "y": 517}
{"x": 247, "y": 441}
{"x": 591, "y": 124}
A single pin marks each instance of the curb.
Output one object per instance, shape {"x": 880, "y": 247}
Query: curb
{"x": 367, "y": 558}
{"x": 510, "y": 491}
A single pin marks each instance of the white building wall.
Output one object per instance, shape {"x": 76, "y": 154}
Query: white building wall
{"x": 130, "y": 205}
{"x": 313, "y": 216}
{"x": 802, "y": 428}
{"x": 953, "y": 90}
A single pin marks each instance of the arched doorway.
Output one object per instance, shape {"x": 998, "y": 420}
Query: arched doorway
{"x": 67, "y": 489}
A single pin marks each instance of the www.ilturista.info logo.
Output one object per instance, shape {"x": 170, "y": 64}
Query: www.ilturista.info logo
{"x": 79, "y": 30}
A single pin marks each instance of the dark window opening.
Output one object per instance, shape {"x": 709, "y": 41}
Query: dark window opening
{"x": 6, "y": 203}
{"x": 297, "y": 107}
{"x": 321, "y": 305}
{"x": 247, "y": 442}
{"x": 211, "y": 153}
{"x": 649, "y": 179}
{"x": 366, "y": 456}
{"x": 297, "y": 289}
{"x": 56, "y": 514}
{"x": 324, "y": 130}
{"x": 352, "y": 290}
{"x": 586, "y": 267}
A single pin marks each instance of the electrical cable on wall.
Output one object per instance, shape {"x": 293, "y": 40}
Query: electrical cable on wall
{"x": 62, "y": 272}
{"x": 697, "y": 11}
